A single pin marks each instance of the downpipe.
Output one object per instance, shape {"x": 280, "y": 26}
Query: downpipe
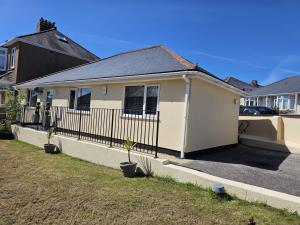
{"x": 186, "y": 113}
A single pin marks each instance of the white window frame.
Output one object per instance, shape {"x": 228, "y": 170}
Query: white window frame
{"x": 13, "y": 57}
{"x": 144, "y": 115}
{"x": 75, "y": 100}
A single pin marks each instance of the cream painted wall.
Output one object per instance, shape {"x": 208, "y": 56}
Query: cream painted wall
{"x": 171, "y": 103}
{"x": 213, "y": 116}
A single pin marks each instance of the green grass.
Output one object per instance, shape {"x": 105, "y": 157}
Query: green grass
{"x": 38, "y": 188}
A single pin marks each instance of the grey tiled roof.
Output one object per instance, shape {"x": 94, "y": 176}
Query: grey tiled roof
{"x": 49, "y": 39}
{"x": 151, "y": 60}
{"x": 286, "y": 86}
{"x": 240, "y": 84}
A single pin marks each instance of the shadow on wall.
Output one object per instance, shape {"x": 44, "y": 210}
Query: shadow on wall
{"x": 248, "y": 156}
{"x": 261, "y": 128}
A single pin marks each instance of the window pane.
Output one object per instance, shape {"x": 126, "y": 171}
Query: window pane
{"x": 134, "y": 99}
{"x": 151, "y": 101}
{"x": 84, "y": 99}
{"x": 72, "y": 99}
{"x": 49, "y": 97}
{"x": 32, "y": 98}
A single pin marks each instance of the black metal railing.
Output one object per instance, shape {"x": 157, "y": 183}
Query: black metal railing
{"x": 108, "y": 126}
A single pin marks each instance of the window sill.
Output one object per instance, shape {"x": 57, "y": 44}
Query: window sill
{"x": 139, "y": 117}
{"x": 75, "y": 111}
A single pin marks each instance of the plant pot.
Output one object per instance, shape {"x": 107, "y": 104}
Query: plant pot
{"x": 50, "y": 148}
{"x": 6, "y": 135}
{"x": 128, "y": 168}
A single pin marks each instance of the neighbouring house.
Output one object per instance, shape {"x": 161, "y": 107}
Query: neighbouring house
{"x": 34, "y": 55}
{"x": 283, "y": 95}
{"x": 246, "y": 87}
{"x": 190, "y": 108}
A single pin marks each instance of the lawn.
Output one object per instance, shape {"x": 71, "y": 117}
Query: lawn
{"x": 37, "y": 188}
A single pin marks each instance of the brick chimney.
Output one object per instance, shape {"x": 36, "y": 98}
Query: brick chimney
{"x": 254, "y": 83}
{"x": 43, "y": 25}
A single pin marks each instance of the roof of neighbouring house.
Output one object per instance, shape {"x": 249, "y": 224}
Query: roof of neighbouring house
{"x": 240, "y": 84}
{"x": 145, "y": 61}
{"x": 54, "y": 40}
{"x": 288, "y": 85}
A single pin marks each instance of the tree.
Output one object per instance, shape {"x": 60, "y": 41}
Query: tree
{"x": 13, "y": 106}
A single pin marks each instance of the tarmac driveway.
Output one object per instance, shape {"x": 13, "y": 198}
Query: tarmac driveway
{"x": 269, "y": 169}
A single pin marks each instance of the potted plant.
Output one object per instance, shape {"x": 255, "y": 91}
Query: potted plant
{"x": 128, "y": 168}
{"x": 50, "y": 148}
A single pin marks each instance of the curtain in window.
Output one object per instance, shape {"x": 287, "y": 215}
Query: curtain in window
{"x": 151, "y": 100}
{"x": 134, "y": 100}
{"x": 84, "y": 99}
{"x": 72, "y": 99}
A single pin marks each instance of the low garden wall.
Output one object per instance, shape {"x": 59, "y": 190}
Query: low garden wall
{"x": 111, "y": 157}
{"x": 272, "y": 132}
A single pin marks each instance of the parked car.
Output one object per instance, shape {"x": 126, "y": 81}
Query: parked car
{"x": 257, "y": 110}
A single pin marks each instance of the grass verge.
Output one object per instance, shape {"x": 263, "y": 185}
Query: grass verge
{"x": 38, "y": 188}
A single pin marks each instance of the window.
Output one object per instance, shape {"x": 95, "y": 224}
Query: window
{"x": 140, "y": 100}
{"x": 80, "y": 99}
{"x": 3, "y": 53}
{"x": 12, "y": 57}
{"x": 49, "y": 97}
{"x": 72, "y": 99}
{"x": 31, "y": 98}
{"x": 2, "y": 98}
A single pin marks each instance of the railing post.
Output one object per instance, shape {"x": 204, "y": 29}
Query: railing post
{"x": 55, "y": 128}
{"x": 79, "y": 128}
{"x": 112, "y": 127}
{"x": 157, "y": 129}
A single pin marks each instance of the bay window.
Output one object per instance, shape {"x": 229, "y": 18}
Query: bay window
{"x": 141, "y": 100}
{"x": 80, "y": 99}
{"x": 3, "y": 54}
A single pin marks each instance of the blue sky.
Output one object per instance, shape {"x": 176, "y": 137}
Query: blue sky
{"x": 246, "y": 39}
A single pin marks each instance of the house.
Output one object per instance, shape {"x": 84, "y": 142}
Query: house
{"x": 193, "y": 109}
{"x": 283, "y": 94}
{"x": 34, "y": 55}
{"x": 246, "y": 87}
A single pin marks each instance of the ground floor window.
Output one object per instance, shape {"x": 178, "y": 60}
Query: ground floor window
{"x": 31, "y": 98}
{"x": 2, "y": 98}
{"x": 80, "y": 99}
{"x": 49, "y": 97}
{"x": 141, "y": 100}
{"x": 250, "y": 101}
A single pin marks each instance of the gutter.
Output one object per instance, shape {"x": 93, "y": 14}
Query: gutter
{"x": 186, "y": 113}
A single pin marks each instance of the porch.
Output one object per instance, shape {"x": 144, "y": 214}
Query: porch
{"x": 285, "y": 103}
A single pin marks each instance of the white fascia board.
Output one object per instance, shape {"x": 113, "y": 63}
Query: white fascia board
{"x": 15, "y": 40}
{"x": 133, "y": 79}
{"x": 219, "y": 83}
{"x": 290, "y": 93}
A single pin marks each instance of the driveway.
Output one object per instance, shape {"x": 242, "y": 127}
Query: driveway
{"x": 268, "y": 169}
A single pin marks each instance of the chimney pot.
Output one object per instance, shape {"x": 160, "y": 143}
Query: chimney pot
{"x": 254, "y": 83}
{"x": 43, "y": 25}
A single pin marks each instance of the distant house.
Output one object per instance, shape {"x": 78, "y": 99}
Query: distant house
{"x": 152, "y": 84}
{"x": 34, "y": 55}
{"x": 246, "y": 87}
{"x": 283, "y": 94}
